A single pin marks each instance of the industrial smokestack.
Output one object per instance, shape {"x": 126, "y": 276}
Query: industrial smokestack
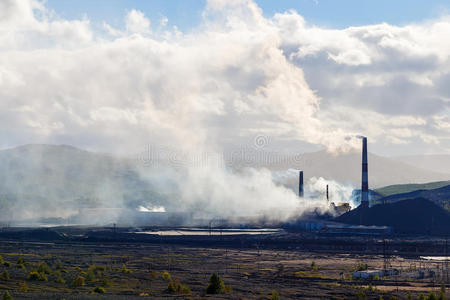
{"x": 364, "y": 176}
{"x": 327, "y": 194}
{"x": 300, "y": 184}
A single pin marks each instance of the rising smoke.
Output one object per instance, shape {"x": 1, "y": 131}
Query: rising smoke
{"x": 194, "y": 91}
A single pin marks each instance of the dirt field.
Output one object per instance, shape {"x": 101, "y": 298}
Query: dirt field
{"x": 128, "y": 271}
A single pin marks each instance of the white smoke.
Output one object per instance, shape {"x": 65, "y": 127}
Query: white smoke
{"x": 338, "y": 193}
{"x": 151, "y": 209}
{"x": 197, "y": 91}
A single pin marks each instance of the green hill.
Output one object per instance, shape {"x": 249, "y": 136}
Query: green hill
{"x": 406, "y": 188}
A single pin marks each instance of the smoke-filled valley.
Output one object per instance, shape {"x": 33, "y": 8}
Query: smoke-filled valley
{"x": 67, "y": 185}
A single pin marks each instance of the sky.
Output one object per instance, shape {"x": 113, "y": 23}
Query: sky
{"x": 187, "y": 14}
{"x": 296, "y": 76}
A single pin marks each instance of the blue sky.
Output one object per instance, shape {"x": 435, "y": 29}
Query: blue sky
{"x": 186, "y": 14}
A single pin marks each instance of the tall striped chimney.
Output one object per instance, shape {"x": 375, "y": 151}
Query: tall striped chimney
{"x": 300, "y": 184}
{"x": 364, "y": 176}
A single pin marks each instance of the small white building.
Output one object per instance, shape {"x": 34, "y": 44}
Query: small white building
{"x": 368, "y": 274}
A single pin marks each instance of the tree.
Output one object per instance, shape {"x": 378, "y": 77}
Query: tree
{"x": 99, "y": 290}
{"x": 24, "y": 287}
{"x": 7, "y": 296}
{"x": 275, "y": 295}
{"x": 44, "y": 268}
{"x": 432, "y": 296}
{"x": 79, "y": 281}
{"x": 5, "y": 275}
{"x": 216, "y": 285}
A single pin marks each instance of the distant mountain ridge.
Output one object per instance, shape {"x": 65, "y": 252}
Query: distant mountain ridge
{"x": 56, "y": 180}
{"x": 439, "y": 196}
{"x": 417, "y": 215}
{"x": 436, "y": 162}
{"x": 406, "y": 188}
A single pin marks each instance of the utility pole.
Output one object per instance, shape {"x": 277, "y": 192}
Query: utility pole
{"x": 446, "y": 260}
{"x": 386, "y": 263}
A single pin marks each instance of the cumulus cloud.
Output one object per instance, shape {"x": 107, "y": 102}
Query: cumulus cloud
{"x": 136, "y": 22}
{"x": 382, "y": 72}
{"x": 239, "y": 71}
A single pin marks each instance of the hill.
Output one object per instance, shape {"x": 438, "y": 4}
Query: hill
{"x": 440, "y": 196}
{"x": 50, "y": 181}
{"x": 61, "y": 181}
{"x": 406, "y": 188}
{"x": 418, "y": 216}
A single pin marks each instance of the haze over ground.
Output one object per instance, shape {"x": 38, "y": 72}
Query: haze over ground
{"x": 237, "y": 78}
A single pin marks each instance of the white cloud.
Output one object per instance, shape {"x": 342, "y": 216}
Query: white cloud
{"x": 136, "y": 22}
{"x": 237, "y": 74}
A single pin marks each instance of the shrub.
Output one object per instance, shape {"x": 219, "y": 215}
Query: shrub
{"x": 99, "y": 290}
{"x": 125, "y": 270}
{"x": 185, "y": 290}
{"x": 432, "y": 296}
{"x": 421, "y": 297}
{"x": 106, "y": 282}
{"x": 5, "y": 275}
{"x": 7, "y": 296}
{"x": 176, "y": 287}
{"x": 361, "y": 267}
{"x": 442, "y": 293}
{"x": 36, "y": 276}
{"x": 96, "y": 268}
{"x": 171, "y": 288}
{"x": 361, "y": 295}
{"x": 216, "y": 285}
{"x": 7, "y": 264}
{"x": 21, "y": 266}
{"x": 275, "y": 295}
{"x": 314, "y": 266}
{"x": 44, "y": 268}
{"x": 21, "y": 261}
{"x": 228, "y": 289}
{"x": 90, "y": 276}
{"x": 1, "y": 260}
{"x": 77, "y": 282}
{"x": 60, "y": 280}
{"x": 165, "y": 275}
{"x": 24, "y": 287}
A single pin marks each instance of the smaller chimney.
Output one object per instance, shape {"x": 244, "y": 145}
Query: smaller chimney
{"x": 300, "y": 184}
